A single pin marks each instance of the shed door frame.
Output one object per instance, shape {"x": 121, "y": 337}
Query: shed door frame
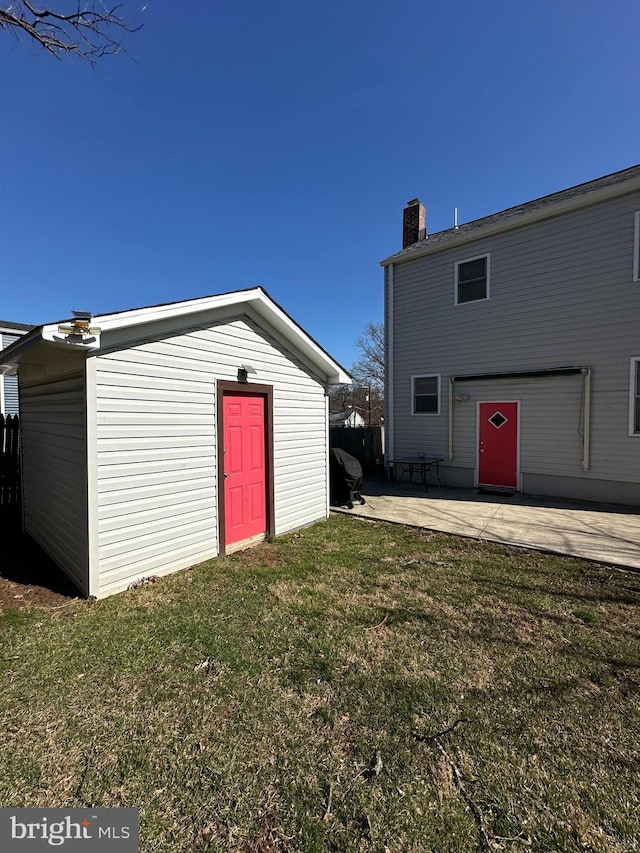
{"x": 265, "y": 391}
{"x": 518, "y": 410}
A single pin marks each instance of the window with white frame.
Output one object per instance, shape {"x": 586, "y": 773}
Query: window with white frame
{"x": 472, "y": 279}
{"x": 425, "y": 395}
{"x": 636, "y": 247}
{"x": 634, "y": 397}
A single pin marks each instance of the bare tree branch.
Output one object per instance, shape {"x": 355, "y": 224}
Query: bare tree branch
{"x": 367, "y": 399}
{"x": 366, "y": 394}
{"x": 90, "y": 30}
{"x": 370, "y": 365}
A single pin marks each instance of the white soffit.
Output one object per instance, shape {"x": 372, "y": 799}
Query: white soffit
{"x": 255, "y": 299}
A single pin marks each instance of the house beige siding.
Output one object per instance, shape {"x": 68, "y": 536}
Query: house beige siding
{"x": 155, "y": 425}
{"x": 54, "y": 471}
{"x": 561, "y": 294}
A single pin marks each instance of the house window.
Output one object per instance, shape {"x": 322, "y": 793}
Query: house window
{"x": 634, "y": 397}
{"x": 472, "y": 279}
{"x": 636, "y": 247}
{"x": 425, "y": 395}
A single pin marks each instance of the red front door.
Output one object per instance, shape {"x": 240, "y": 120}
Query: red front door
{"x": 498, "y": 445}
{"x": 245, "y": 504}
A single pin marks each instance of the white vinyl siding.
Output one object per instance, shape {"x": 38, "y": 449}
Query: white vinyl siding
{"x": 560, "y": 296}
{"x": 54, "y": 472}
{"x": 156, "y": 431}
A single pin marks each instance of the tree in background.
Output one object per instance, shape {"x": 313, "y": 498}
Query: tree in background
{"x": 366, "y": 395}
{"x": 369, "y": 368}
{"x": 89, "y": 30}
{"x": 367, "y": 400}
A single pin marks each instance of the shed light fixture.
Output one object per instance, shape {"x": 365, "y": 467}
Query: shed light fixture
{"x": 243, "y": 372}
{"x": 79, "y": 325}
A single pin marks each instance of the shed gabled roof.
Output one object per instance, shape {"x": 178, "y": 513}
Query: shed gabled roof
{"x": 131, "y": 325}
{"x": 582, "y": 195}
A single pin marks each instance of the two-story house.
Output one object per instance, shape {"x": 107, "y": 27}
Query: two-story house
{"x": 513, "y": 344}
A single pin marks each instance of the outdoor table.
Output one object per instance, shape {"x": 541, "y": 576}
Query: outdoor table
{"x": 425, "y": 466}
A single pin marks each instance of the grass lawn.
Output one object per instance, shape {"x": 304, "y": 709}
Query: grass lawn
{"x": 353, "y": 687}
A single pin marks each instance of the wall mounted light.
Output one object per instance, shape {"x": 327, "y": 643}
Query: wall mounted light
{"x": 461, "y": 398}
{"x": 243, "y": 372}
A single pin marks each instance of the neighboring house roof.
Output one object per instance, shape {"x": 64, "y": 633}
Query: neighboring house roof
{"x": 339, "y": 418}
{"x": 582, "y": 195}
{"x": 130, "y": 325}
{"x": 9, "y": 328}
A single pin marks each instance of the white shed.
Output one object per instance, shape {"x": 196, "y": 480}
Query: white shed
{"x": 126, "y": 418}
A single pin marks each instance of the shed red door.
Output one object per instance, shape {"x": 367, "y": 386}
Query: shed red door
{"x": 245, "y": 501}
{"x": 498, "y": 445}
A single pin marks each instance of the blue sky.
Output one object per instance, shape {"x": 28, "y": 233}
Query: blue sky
{"x": 276, "y": 144}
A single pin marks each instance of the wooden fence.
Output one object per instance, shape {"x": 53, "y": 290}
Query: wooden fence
{"x": 365, "y": 443}
{"x": 9, "y": 462}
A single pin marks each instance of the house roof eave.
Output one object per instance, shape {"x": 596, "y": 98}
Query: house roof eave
{"x": 555, "y": 204}
{"x": 9, "y": 328}
{"x": 20, "y": 351}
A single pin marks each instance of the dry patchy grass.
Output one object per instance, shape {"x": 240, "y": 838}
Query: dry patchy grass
{"x": 356, "y": 687}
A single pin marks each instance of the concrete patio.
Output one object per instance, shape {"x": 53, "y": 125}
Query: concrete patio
{"x": 607, "y": 533}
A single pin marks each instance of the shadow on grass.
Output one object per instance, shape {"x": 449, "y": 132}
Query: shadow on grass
{"x": 604, "y": 593}
{"x": 24, "y": 563}
{"x": 379, "y": 486}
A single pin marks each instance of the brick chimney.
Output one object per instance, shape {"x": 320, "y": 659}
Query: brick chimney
{"x": 413, "y": 223}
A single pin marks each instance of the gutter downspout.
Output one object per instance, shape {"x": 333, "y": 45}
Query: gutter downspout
{"x": 91, "y": 462}
{"x": 451, "y": 382}
{"x": 389, "y": 448}
{"x": 586, "y": 436}
{"x": 327, "y": 448}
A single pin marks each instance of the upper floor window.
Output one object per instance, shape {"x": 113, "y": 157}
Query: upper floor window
{"x": 634, "y": 397}
{"x": 425, "y": 395}
{"x": 636, "y": 247}
{"x": 472, "y": 279}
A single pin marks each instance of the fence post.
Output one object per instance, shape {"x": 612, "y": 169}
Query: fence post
{"x": 9, "y": 462}
{"x": 365, "y": 443}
